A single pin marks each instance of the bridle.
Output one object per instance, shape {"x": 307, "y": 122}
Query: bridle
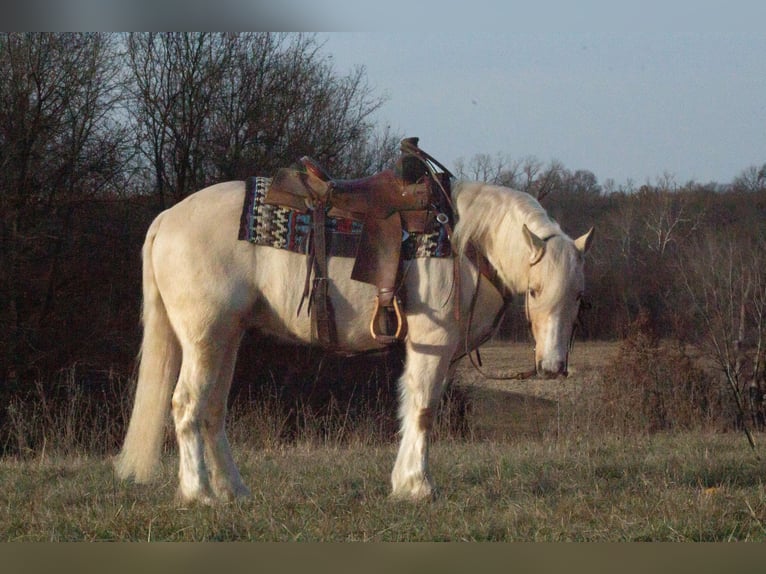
{"x": 487, "y": 270}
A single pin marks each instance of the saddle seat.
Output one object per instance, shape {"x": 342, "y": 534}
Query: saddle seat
{"x": 378, "y": 195}
{"x": 387, "y": 203}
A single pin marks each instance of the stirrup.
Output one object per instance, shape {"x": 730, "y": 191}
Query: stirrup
{"x": 381, "y": 321}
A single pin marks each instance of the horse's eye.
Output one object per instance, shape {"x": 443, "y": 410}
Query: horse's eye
{"x": 580, "y": 296}
{"x": 532, "y": 293}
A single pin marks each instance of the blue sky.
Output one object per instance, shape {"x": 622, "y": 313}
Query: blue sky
{"x": 625, "y": 105}
{"x": 629, "y": 89}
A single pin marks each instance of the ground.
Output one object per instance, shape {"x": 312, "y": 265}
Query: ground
{"x": 528, "y": 407}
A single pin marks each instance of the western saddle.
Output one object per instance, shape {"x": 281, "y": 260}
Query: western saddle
{"x": 409, "y": 197}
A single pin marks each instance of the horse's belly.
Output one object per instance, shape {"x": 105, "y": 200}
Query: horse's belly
{"x": 282, "y": 312}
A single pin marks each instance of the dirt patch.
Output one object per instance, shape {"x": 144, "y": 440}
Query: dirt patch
{"x": 497, "y": 410}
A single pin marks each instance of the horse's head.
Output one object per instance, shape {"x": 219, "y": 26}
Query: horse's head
{"x": 555, "y": 286}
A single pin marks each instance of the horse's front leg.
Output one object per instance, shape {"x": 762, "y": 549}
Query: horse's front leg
{"x": 420, "y": 387}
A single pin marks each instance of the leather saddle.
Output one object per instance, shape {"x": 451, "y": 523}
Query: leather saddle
{"x": 388, "y": 203}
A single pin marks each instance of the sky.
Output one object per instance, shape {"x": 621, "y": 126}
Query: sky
{"x": 632, "y": 90}
{"x": 626, "y": 106}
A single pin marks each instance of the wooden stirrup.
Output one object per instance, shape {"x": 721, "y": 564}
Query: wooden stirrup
{"x": 401, "y": 323}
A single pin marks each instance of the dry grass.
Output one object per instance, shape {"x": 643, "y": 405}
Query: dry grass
{"x": 533, "y": 408}
{"x": 672, "y": 488}
{"x": 534, "y": 463}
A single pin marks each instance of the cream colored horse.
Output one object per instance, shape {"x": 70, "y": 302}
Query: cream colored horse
{"x": 203, "y": 289}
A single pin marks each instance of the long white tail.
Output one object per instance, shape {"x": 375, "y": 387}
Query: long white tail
{"x": 160, "y": 361}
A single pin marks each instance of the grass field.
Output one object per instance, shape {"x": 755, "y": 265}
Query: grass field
{"x": 525, "y": 472}
{"x": 672, "y": 488}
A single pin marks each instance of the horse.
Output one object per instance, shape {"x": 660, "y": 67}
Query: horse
{"x": 203, "y": 289}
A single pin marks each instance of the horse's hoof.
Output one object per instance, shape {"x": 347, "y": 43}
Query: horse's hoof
{"x": 423, "y": 492}
{"x": 233, "y": 493}
{"x": 204, "y": 499}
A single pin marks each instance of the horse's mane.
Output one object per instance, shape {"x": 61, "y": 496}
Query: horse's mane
{"x": 490, "y": 213}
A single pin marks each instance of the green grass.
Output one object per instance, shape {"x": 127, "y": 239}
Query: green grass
{"x": 669, "y": 487}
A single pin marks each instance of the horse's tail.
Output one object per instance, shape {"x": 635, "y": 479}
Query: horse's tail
{"x": 160, "y": 361}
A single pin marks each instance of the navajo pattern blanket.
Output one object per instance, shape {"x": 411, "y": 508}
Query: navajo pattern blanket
{"x": 274, "y": 226}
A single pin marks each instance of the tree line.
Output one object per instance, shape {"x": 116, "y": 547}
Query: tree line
{"x": 99, "y": 132}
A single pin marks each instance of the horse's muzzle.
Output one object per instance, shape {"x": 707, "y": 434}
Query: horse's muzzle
{"x": 560, "y": 370}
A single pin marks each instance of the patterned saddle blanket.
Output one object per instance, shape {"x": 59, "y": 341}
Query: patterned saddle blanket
{"x": 281, "y": 228}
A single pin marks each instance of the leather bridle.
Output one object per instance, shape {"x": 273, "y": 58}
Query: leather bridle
{"x": 487, "y": 270}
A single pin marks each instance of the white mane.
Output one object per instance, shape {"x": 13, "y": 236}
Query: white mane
{"x": 491, "y": 217}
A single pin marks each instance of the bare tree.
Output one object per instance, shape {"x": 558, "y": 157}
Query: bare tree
{"x": 667, "y": 218}
{"x": 174, "y": 79}
{"x": 527, "y": 174}
{"x": 530, "y": 168}
{"x": 548, "y": 181}
{"x": 60, "y": 145}
{"x": 497, "y": 169}
{"x": 373, "y": 154}
{"x": 752, "y": 179}
{"x": 582, "y": 182}
{"x": 724, "y": 280}
{"x": 209, "y": 107}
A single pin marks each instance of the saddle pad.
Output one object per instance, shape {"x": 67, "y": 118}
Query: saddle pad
{"x": 281, "y": 228}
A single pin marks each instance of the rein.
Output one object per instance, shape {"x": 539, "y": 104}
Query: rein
{"x": 485, "y": 269}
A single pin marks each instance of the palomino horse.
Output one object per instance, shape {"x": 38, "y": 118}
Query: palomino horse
{"x": 203, "y": 289}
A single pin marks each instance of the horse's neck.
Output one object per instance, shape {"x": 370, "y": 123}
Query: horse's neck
{"x": 511, "y": 255}
{"x": 494, "y": 219}
{"x": 508, "y": 254}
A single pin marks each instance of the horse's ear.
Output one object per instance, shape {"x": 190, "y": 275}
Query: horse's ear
{"x": 535, "y": 244}
{"x": 583, "y": 242}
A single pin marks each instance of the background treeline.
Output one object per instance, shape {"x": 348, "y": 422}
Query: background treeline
{"x": 658, "y": 245}
{"x": 100, "y": 132}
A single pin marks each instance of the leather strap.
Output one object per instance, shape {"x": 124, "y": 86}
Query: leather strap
{"x": 487, "y": 271}
{"x": 323, "y": 318}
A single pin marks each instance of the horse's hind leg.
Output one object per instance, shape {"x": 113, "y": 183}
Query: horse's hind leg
{"x": 199, "y": 410}
{"x": 225, "y": 478}
{"x": 198, "y": 374}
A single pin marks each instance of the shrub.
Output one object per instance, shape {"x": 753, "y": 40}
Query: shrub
{"x": 655, "y": 385}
